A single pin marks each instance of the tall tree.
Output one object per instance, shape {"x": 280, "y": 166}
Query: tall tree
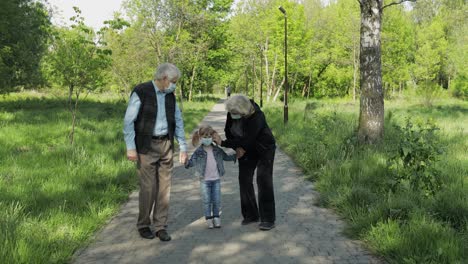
{"x": 371, "y": 114}
{"x": 24, "y": 31}
{"x": 77, "y": 61}
{"x": 188, "y": 33}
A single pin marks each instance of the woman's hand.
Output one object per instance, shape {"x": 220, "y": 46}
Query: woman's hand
{"x": 217, "y": 139}
{"x": 240, "y": 152}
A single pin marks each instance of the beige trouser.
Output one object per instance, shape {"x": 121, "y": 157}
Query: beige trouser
{"x": 154, "y": 172}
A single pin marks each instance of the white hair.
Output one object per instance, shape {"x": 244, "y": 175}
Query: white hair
{"x": 168, "y": 70}
{"x": 239, "y": 104}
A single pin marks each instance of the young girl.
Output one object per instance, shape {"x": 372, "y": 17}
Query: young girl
{"x": 207, "y": 161}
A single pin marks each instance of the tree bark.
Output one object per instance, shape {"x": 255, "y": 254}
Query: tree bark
{"x": 371, "y": 115}
{"x": 272, "y": 86}
{"x": 72, "y": 132}
{"x": 192, "y": 79}
{"x": 355, "y": 67}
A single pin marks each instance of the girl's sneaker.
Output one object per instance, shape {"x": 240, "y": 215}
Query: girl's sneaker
{"x": 209, "y": 222}
{"x": 217, "y": 222}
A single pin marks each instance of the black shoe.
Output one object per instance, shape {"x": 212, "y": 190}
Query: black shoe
{"x": 249, "y": 221}
{"x": 265, "y": 226}
{"x": 163, "y": 235}
{"x": 145, "y": 232}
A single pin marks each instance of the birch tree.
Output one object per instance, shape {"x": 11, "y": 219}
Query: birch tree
{"x": 371, "y": 114}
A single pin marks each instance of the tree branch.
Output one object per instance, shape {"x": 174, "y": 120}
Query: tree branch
{"x": 397, "y": 3}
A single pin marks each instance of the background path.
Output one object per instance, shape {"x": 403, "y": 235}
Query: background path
{"x": 304, "y": 233}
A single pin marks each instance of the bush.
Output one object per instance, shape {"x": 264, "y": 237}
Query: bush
{"x": 419, "y": 148}
{"x": 460, "y": 88}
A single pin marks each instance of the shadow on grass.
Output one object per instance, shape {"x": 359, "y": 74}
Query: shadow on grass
{"x": 437, "y": 111}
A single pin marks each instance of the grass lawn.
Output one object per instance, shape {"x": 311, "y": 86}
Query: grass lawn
{"x": 403, "y": 225}
{"x": 54, "y": 196}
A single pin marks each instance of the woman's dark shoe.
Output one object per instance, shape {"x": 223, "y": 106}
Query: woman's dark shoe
{"x": 145, "y": 232}
{"x": 249, "y": 221}
{"x": 163, "y": 235}
{"x": 265, "y": 226}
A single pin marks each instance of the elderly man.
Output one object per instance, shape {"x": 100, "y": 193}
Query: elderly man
{"x": 152, "y": 121}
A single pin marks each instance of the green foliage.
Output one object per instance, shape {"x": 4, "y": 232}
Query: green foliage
{"x": 417, "y": 152}
{"x": 54, "y": 196}
{"x": 190, "y": 34}
{"x": 24, "y": 32}
{"x": 460, "y": 88}
{"x": 403, "y": 225}
{"x": 77, "y": 61}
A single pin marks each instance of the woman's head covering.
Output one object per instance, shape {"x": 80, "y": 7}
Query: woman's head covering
{"x": 239, "y": 104}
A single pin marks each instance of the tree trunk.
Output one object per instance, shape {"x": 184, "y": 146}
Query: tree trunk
{"x": 255, "y": 78}
{"x": 267, "y": 72}
{"x": 70, "y": 93}
{"x": 72, "y": 132}
{"x": 272, "y": 86}
{"x": 371, "y": 115}
{"x": 291, "y": 88}
{"x": 355, "y": 67}
{"x": 181, "y": 91}
{"x": 191, "y": 83}
{"x": 278, "y": 90}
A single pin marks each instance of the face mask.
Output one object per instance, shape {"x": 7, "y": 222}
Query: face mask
{"x": 233, "y": 116}
{"x": 206, "y": 141}
{"x": 170, "y": 89}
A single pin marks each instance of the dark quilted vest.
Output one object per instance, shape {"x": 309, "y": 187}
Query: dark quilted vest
{"x": 146, "y": 120}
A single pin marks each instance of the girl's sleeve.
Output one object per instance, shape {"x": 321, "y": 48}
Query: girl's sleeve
{"x": 190, "y": 162}
{"x": 228, "y": 157}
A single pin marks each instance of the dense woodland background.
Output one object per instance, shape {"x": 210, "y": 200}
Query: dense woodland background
{"x": 63, "y": 94}
{"x": 216, "y": 43}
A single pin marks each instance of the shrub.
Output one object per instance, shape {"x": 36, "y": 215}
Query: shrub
{"x": 460, "y": 88}
{"x": 417, "y": 151}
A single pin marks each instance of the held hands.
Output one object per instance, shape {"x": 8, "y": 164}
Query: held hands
{"x": 183, "y": 157}
{"x": 133, "y": 156}
{"x": 217, "y": 139}
{"x": 240, "y": 152}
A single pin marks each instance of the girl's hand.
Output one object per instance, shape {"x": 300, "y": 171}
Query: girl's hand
{"x": 240, "y": 152}
{"x": 217, "y": 139}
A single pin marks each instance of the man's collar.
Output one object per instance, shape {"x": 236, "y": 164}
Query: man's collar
{"x": 156, "y": 89}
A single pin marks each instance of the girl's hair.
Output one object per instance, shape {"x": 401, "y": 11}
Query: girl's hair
{"x": 204, "y": 130}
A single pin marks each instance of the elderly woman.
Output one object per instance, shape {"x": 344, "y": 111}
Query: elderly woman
{"x": 248, "y": 133}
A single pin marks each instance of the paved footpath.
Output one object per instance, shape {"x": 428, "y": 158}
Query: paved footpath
{"x": 304, "y": 233}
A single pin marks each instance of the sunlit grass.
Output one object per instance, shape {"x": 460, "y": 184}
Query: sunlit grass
{"x": 406, "y": 226}
{"x": 54, "y": 196}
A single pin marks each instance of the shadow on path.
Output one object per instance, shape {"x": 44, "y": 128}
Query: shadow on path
{"x": 304, "y": 233}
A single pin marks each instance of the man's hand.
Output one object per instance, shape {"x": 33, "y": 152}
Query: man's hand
{"x": 132, "y": 155}
{"x": 240, "y": 152}
{"x": 183, "y": 157}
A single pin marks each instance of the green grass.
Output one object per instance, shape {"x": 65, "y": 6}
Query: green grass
{"x": 54, "y": 196}
{"x": 403, "y": 226}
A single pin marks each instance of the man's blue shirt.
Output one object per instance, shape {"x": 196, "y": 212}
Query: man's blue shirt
{"x": 160, "y": 127}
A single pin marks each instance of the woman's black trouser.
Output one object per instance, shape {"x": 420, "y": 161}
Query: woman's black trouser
{"x": 266, "y": 196}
